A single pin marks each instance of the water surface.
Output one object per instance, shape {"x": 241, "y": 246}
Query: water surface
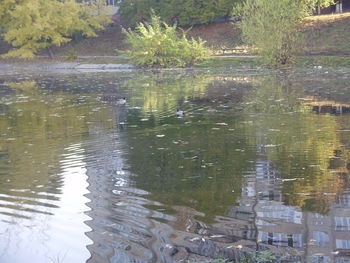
{"x": 259, "y": 161}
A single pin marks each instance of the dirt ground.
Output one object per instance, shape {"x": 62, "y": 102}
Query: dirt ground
{"x": 327, "y": 34}
{"x": 218, "y": 35}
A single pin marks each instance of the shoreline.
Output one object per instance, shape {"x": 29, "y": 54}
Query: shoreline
{"x": 63, "y": 67}
{"x": 101, "y": 64}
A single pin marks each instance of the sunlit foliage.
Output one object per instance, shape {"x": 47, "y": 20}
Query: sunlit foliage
{"x": 272, "y": 27}
{"x": 310, "y": 5}
{"x": 31, "y": 25}
{"x": 158, "y": 45}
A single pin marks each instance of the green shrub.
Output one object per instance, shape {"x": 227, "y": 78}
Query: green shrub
{"x": 159, "y": 45}
{"x": 273, "y": 28}
{"x": 71, "y": 55}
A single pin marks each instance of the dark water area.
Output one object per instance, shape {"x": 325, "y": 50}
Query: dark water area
{"x": 259, "y": 161}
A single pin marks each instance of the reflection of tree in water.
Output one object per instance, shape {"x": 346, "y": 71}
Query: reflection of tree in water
{"x": 189, "y": 166}
{"x": 196, "y": 163}
{"x": 292, "y": 135}
{"x": 310, "y": 155}
{"x": 301, "y": 144}
{"x": 192, "y": 156}
{"x": 240, "y": 168}
{"x": 160, "y": 95}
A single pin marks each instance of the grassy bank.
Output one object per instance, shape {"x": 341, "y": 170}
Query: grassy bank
{"x": 302, "y": 61}
{"x": 212, "y": 62}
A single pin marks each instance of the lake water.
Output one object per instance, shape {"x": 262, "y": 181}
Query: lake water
{"x": 260, "y": 160}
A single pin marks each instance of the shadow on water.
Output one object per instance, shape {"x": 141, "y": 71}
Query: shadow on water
{"x": 257, "y": 162}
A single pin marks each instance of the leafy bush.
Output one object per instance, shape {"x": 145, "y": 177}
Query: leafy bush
{"x": 273, "y": 27}
{"x": 71, "y": 55}
{"x": 159, "y": 45}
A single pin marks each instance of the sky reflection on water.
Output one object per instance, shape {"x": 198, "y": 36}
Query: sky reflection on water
{"x": 257, "y": 161}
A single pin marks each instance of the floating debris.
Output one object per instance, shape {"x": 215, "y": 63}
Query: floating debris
{"x": 289, "y": 180}
{"x": 271, "y": 145}
{"x": 305, "y": 99}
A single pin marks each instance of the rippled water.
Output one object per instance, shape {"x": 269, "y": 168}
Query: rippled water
{"x": 259, "y": 161}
